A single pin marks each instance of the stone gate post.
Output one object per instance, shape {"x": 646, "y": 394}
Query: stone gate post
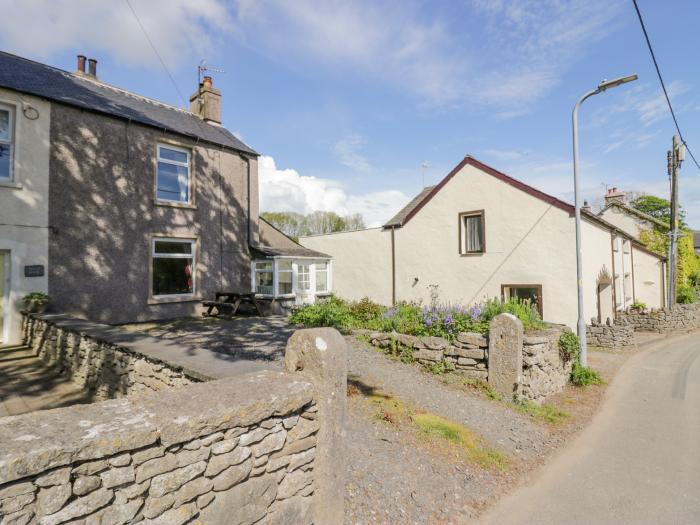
{"x": 506, "y": 355}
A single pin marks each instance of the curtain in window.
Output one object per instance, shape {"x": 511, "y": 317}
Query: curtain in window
{"x": 473, "y": 241}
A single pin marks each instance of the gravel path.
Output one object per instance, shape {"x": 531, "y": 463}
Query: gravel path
{"x": 395, "y": 479}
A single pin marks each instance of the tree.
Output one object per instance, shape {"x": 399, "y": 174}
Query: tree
{"x": 658, "y": 208}
{"x": 297, "y": 225}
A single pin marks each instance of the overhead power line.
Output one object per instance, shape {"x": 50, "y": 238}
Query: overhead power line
{"x": 663, "y": 85}
{"x": 162, "y": 62}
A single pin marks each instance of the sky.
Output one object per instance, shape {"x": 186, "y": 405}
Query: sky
{"x": 355, "y": 106}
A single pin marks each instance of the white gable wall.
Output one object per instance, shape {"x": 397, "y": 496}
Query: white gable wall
{"x": 528, "y": 241}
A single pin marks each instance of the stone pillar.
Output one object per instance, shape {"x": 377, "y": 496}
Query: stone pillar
{"x": 320, "y": 354}
{"x": 506, "y": 355}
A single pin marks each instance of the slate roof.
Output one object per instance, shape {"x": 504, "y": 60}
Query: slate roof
{"x": 34, "y": 78}
{"x": 404, "y": 213}
{"x": 282, "y": 246}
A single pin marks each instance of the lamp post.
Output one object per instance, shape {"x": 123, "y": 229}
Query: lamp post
{"x": 581, "y": 324}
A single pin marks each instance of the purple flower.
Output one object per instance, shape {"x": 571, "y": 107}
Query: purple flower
{"x": 428, "y": 321}
{"x": 448, "y": 319}
{"x": 390, "y": 313}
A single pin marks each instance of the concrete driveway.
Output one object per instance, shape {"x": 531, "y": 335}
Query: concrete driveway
{"x": 639, "y": 460}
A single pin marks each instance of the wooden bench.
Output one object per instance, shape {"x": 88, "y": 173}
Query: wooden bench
{"x": 227, "y": 303}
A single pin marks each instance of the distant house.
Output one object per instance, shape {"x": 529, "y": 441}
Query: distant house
{"x": 126, "y": 209}
{"x": 617, "y": 212}
{"x": 479, "y": 234}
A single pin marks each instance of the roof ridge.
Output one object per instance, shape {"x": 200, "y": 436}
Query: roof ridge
{"x": 99, "y": 83}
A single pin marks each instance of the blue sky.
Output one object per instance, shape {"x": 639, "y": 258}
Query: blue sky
{"x": 346, "y": 100}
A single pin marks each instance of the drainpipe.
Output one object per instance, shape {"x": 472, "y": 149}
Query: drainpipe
{"x": 247, "y": 165}
{"x": 393, "y": 267}
{"x": 624, "y": 275}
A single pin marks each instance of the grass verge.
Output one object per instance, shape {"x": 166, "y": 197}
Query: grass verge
{"x": 547, "y": 413}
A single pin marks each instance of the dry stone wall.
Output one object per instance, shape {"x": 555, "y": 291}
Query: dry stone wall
{"x": 610, "y": 336}
{"x": 468, "y": 353}
{"x": 546, "y": 370}
{"x": 682, "y": 317}
{"x": 234, "y": 451}
{"x": 541, "y": 372}
{"x": 106, "y": 369}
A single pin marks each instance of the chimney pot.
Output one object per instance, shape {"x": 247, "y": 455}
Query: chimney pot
{"x": 207, "y": 81}
{"x": 92, "y": 67}
{"x": 81, "y": 63}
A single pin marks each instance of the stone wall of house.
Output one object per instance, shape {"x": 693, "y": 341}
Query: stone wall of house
{"x": 233, "y": 451}
{"x": 468, "y": 353}
{"x": 610, "y": 336}
{"x": 93, "y": 362}
{"x": 543, "y": 370}
{"x": 681, "y": 317}
{"x": 546, "y": 370}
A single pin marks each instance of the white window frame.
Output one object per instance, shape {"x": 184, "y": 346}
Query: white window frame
{"x": 295, "y": 276}
{"x": 187, "y": 165}
{"x": 192, "y": 255}
{"x": 256, "y": 271}
{"x": 11, "y": 127}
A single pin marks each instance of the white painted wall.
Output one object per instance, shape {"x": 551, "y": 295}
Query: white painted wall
{"x": 648, "y": 279}
{"x": 625, "y": 221}
{"x": 24, "y": 208}
{"x": 361, "y": 262}
{"x": 528, "y": 241}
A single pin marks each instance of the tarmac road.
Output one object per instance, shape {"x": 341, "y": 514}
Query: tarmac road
{"x": 639, "y": 460}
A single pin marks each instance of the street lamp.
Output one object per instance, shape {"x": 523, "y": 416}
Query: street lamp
{"x": 581, "y": 324}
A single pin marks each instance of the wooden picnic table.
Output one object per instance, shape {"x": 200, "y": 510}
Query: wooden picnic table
{"x": 230, "y": 302}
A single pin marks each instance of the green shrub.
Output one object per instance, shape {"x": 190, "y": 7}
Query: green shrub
{"x": 365, "y": 310}
{"x": 638, "y": 305}
{"x": 523, "y": 310}
{"x": 686, "y": 294}
{"x": 584, "y": 375}
{"x": 334, "y": 313}
{"x": 569, "y": 346}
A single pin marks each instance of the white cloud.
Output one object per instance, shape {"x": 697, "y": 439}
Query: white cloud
{"x": 287, "y": 190}
{"x": 506, "y": 154}
{"x": 347, "y": 150}
{"x": 180, "y": 29}
{"x": 527, "y": 47}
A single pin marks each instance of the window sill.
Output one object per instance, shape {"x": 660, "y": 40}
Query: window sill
{"x": 173, "y": 204}
{"x": 10, "y": 184}
{"x": 174, "y": 299}
{"x": 472, "y": 254}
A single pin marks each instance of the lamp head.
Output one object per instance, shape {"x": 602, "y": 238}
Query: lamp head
{"x": 607, "y": 84}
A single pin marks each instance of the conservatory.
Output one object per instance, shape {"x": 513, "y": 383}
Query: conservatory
{"x": 297, "y": 280}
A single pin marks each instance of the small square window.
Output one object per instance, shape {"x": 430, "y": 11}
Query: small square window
{"x": 471, "y": 233}
{"x": 173, "y": 174}
{"x": 173, "y": 263}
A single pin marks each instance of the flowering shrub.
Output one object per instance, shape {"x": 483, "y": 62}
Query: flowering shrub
{"x": 412, "y": 318}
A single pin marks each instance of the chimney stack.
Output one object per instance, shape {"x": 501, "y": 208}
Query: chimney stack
{"x": 92, "y": 67}
{"x": 206, "y": 102}
{"x": 586, "y": 207}
{"x": 81, "y": 65}
{"x": 615, "y": 195}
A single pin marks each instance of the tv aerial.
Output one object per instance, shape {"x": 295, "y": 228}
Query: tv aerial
{"x": 202, "y": 67}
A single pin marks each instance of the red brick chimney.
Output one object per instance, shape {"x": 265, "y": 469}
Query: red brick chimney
{"x": 81, "y": 65}
{"x": 206, "y": 101}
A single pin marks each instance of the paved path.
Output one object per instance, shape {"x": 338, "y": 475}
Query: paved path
{"x": 27, "y": 384}
{"x": 639, "y": 460}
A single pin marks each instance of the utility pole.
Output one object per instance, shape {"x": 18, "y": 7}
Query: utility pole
{"x": 674, "y": 158}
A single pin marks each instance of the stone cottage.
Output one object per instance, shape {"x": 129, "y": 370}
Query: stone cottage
{"x": 126, "y": 209}
{"x": 480, "y": 234}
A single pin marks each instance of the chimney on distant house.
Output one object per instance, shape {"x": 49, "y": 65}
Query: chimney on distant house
{"x": 614, "y": 195}
{"x": 586, "y": 207}
{"x": 81, "y": 65}
{"x": 92, "y": 67}
{"x": 206, "y": 102}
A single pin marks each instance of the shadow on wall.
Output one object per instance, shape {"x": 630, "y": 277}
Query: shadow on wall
{"x": 102, "y": 213}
